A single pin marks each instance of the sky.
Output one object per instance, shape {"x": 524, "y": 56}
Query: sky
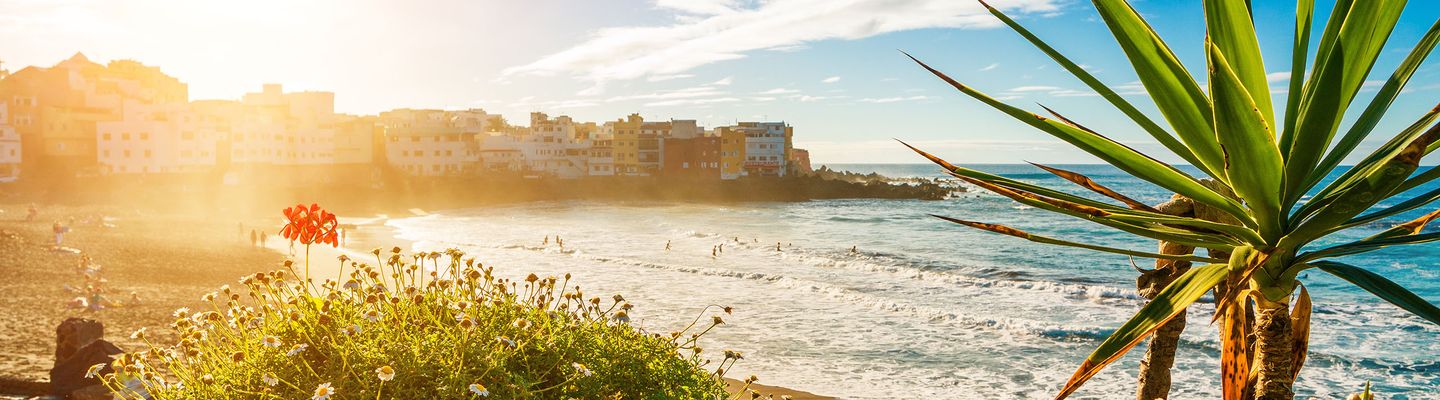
{"x": 831, "y": 68}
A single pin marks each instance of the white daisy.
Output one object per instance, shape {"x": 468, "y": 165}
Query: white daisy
{"x": 323, "y": 392}
{"x": 479, "y": 390}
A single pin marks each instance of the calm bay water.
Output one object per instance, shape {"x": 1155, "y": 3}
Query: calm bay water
{"x": 924, "y": 309}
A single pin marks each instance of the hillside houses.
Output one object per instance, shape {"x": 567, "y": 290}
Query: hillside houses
{"x": 80, "y": 118}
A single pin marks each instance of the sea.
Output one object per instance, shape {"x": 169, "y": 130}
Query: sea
{"x": 876, "y": 299}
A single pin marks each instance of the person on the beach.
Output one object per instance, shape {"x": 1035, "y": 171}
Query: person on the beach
{"x": 59, "y": 233}
{"x": 722, "y": 248}
{"x": 342, "y": 236}
{"x": 546, "y": 242}
{"x": 667, "y": 245}
{"x": 34, "y": 212}
{"x": 254, "y": 239}
{"x": 712, "y": 251}
{"x": 263, "y": 238}
{"x": 777, "y": 246}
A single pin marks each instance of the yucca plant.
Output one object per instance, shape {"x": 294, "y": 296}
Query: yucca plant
{"x": 1262, "y": 166}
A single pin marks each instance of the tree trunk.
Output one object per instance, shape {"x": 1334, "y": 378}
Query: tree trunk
{"x": 1273, "y": 350}
{"x": 1154, "y": 380}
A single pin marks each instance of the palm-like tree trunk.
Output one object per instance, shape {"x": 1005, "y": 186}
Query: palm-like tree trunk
{"x": 1154, "y": 380}
{"x": 1274, "y": 348}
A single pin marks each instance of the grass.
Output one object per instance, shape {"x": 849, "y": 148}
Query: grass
{"x": 393, "y": 330}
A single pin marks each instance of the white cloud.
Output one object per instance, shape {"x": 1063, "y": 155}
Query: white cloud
{"x": 990, "y": 67}
{"x": 685, "y": 93}
{"x": 832, "y": 79}
{"x": 726, "y": 81}
{"x": 1277, "y": 76}
{"x": 728, "y": 30}
{"x": 699, "y": 7}
{"x": 689, "y": 102}
{"x": 780, "y": 91}
{"x": 808, "y": 99}
{"x": 660, "y": 78}
{"x": 1022, "y": 89}
{"x": 894, "y": 99}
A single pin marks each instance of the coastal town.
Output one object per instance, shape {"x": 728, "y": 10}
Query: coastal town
{"x": 124, "y": 119}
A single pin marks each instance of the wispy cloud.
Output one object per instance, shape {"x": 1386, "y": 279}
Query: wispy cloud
{"x": 1277, "y": 76}
{"x": 832, "y": 79}
{"x": 685, "y": 93}
{"x": 721, "y": 30}
{"x": 661, "y": 78}
{"x": 893, "y": 99}
{"x": 990, "y": 67}
{"x": 691, "y": 102}
{"x": 780, "y": 91}
{"x": 1022, "y": 89}
{"x": 699, "y": 7}
{"x": 726, "y": 81}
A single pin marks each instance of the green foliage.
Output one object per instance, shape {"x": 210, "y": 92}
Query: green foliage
{"x": 395, "y": 331}
{"x": 1262, "y": 164}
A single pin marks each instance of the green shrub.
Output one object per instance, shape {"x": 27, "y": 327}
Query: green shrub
{"x": 395, "y": 332}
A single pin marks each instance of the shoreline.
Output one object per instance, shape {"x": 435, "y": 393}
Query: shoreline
{"x": 167, "y": 261}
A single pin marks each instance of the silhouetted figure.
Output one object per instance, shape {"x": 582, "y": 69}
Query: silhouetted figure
{"x": 32, "y": 214}
{"x": 263, "y": 238}
{"x": 667, "y": 245}
{"x": 777, "y": 246}
{"x": 722, "y": 248}
{"x": 546, "y": 242}
{"x": 59, "y": 233}
{"x": 343, "y": 233}
{"x": 254, "y": 238}
{"x": 854, "y": 249}
{"x": 712, "y": 251}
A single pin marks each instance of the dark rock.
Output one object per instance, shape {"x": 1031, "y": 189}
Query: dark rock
{"x": 79, "y": 344}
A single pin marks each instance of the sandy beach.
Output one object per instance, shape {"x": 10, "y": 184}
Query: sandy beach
{"x": 152, "y": 264}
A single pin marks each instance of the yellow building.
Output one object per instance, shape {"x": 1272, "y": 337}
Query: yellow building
{"x": 732, "y": 153}
{"x": 626, "y": 145}
{"x": 68, "y": 137}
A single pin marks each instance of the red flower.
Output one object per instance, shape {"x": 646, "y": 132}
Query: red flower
{"x": 310, "y": 225}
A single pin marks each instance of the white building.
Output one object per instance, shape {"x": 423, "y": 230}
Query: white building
{"x": 766, "y": 147}
{"x": 602, "y": 151}
{"x": 500, "y": 152}
{"x": 272, "y": 127}
{"x": 157, "y": 138}
{"x": 554, "y": 147}
{"x": 434, "y": 142}
{"x": 9, "y": 147}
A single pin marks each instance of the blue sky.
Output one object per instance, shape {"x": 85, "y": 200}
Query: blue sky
{"x": 829, "y": 67}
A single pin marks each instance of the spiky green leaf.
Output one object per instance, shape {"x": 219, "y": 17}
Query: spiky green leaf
{"x": 1382, "y": 288}
{"x": 1170, "y": 302}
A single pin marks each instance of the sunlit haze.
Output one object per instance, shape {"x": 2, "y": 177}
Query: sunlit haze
{"x": 829, "y": 68}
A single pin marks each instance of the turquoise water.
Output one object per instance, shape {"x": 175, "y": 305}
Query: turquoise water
{"x": 924, "y": 309}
